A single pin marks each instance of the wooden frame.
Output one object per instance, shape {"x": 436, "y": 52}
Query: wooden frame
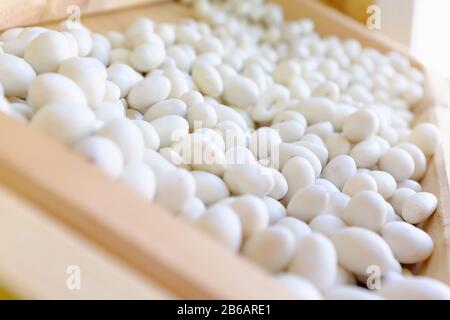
{"x": 168, "y": 253}
{"x": 14, "y": 13}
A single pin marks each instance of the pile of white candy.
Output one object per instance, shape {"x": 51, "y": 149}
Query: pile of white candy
{"x": 308, "y": 165}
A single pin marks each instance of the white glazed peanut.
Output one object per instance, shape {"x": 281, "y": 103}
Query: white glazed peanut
{"x": 315, "y": 259}
{"x": 222, "y": 224}
{"x": 408, "y": 243}
{"x": 271, "y": 248}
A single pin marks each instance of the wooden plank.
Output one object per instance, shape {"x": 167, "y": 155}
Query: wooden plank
{"x": 119, "y": 21}
{"x": 30, "y": 12}
{"x": 105, "y": 211}
{"x": 37, "y": 251}
{"x": 435, "y": 108}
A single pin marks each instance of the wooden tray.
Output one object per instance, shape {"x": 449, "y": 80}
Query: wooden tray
{"x": 64, "y": 199}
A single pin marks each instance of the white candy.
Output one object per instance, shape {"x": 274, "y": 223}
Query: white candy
{"x": 47, "y": 51}
{"x": 399, "y": 197}
{"x": 147, "y": 57}
{"x": 232, "y": 134}
{"x": 287, "y": 151}
{"x": 207, "y": 79}
{"x": 175, "y": 188}
{"x": 170, "y": 129}
{"x": 16, "y": 75}
{"x": 249, "y": 178}
{"x": 418, "y": 207}
{"x": 326, "y": 224}
{"x": 68, "y": 122}
{"x": 408, "y": 243}
{"x": 299, "y": 89}
{"x": 157, "y": 162}
{"x": 101, "y": 48}
{"x": 141, "y": 178}
{"x": 103, "y": 153}
{"x": 299, "y": 286}
{"x": 201, "y": 115}
{"x": 52, "y": 87}
{"x": 222, "y": 224}
{"x": 366, "y": 153}
{"x": 316, "y": 109}
{"x": 398, "y": 163}
{"x": 386, "y": 184}
{"x": 123, "y": 76}
{"x": 288, "y": 115}
{"x": 112, "y": 91}
{"x": 151, "y": 137}
{"x": 275, "y": 208}
{"x": 263, "y": 142}
{"x": 280, "y": 187}
{"x": 420, "y": 161}
{"x": 83, "y": 39}
{"x": 271, "y": 248}
{"x": 339, "y": 170}
{"x": 308, "y": 203}
{"x": 427, "y": 137}
{"x": 240, "y": 92}
{"x": 225, "y": 113}
{"x": 290, "y": 131}
{"x": 148, "y": 92}
{"x": 166, "y": 108}
{"x": 179, "y": 82}
{"x": 89, "y": 74}
{"x": 337, "y": 145}
{"x": 127, "y": 136}
{"x": 359, "y": 182}
{"x": 299, "y": 174}
{"x": 209, "y": 188}
{"x": 252, "y": 212}
{"x": 296, "y": 226}
{"x": 360, "y": 125}
{"x": 315, "y": 259}
{"x": 192, "y": 210}
{"x": 338, "y": 203}
{"x": 366, "y": 209}
{"x": 286, "y": 72}
{"x": 359, "y": 248}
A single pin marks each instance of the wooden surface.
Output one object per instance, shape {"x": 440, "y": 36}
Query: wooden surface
{"x": 168, "y": 11}
{"x": 435, "y": 108}
{"x": 30, "y": 12}
{"x": 37, "y": 251}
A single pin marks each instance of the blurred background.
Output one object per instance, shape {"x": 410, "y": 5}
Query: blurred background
{"x": 421, "y": 25}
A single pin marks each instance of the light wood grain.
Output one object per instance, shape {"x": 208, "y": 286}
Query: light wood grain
{"x": 30, "y": 12}
{"x": 119, "y": 20}
{"x": 435, "y": 108}
{"x": 36, "y": 252}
